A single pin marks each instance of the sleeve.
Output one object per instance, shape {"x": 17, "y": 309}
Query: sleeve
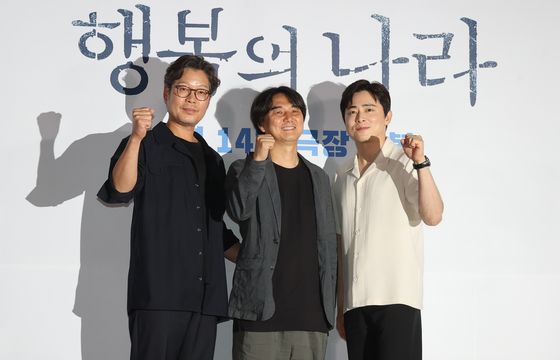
{"x": 108, "y": 193}
{"x": 243, "y": 180}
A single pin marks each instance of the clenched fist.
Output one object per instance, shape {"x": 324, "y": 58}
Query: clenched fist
{"x": 264, "y": 143}
{"x": 142, "y": 121}
{"x": 413, "y": 147}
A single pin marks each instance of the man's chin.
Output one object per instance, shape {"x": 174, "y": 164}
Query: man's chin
{"x": 186, "y": 122}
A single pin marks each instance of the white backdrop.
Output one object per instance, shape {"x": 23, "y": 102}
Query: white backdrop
{"x": 492, "y": 275}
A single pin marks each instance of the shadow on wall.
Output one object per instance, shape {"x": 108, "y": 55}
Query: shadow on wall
{"x": 323, "y": 104}
{"x": 233, "y": 112}
{"x": 105, "y": 233}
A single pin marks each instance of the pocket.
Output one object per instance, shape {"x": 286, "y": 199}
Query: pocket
{"x": 247, "y": 291}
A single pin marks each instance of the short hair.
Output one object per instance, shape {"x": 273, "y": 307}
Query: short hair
{"x": 195, "y": 62}
{"x": 376, "y": 90}
{"x": 263, "y": 103}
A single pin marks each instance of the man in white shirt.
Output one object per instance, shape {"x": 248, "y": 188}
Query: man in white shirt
{"x": 381, "y": 197}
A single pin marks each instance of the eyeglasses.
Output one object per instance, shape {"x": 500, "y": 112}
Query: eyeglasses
{"x": 184, "y": 91}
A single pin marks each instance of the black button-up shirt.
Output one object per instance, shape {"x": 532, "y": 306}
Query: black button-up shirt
{"x": 167, "y": 253}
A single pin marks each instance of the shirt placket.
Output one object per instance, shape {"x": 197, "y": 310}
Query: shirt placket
{"x": 357, "y": 249}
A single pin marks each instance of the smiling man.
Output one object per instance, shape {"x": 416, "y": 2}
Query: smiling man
{"x": 283, "y": 296}
{"x": 381, "y": 197}
{"x": 176, "y": 285}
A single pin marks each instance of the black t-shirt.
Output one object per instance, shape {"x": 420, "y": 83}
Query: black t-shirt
{"x": 295, "y": 282}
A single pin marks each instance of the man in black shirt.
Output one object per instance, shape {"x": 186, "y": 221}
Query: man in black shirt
{"x": 283, "y": 295}
{"x": 176, "y": 286}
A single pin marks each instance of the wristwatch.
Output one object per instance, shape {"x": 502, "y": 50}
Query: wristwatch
{"x": 422, "y": 165}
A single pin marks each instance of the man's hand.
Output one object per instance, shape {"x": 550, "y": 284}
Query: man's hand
{"x": 265, "y": 142}
{"x": 141, "y": 122}
{"x": 231, "y": 253}
{"x": 340, "y": 326}
{"x": 413, "y": 147}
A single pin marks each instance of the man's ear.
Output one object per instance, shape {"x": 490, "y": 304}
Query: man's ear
{"x": 165, "y": 93}
{"x": 388, "y": 118}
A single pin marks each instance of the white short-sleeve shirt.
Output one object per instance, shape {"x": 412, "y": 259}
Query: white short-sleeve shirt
{"x": 382, "y": 239}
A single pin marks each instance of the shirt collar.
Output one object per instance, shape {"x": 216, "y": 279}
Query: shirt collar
{"x": 164, "y": 135}
{"x": 383, "y": 157}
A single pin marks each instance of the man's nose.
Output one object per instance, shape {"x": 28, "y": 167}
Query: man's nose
{"x": 191, "y": 97}
{"x": 359, "y": 116}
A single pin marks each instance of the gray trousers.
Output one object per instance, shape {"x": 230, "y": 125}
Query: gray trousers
{"x": 279, "y": 345}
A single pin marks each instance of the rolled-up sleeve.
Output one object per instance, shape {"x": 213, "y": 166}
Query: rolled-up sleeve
{"x": 108, "y": 193}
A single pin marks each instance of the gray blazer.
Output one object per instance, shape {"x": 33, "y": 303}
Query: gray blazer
{"x": 253, "y": 201}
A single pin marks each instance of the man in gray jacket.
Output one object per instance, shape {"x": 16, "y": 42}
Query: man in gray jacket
{"x": 283, "y": 296}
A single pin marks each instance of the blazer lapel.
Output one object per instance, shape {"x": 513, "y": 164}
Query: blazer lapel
{"x": 272, "y": 183}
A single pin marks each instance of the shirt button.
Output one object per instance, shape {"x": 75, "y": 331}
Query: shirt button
{"x": 197, "y": 207}
{"x": 200, "y": 253}
{"x": 357, "y": 232}
{"x": 276, "y": 241}
{"x": 355, "y": 256}
{"x": 272, "y": 268}
{"x": 196, "y": 185}
{"x": 198, "y": 229}
{"x": 200, "y": 279}
{"x": 355, "y": 279}
{"x": 359, "y": 208}
{"x": 360, "y": 184}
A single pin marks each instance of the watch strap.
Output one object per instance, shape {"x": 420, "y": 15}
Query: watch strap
{"x": 422, "y": 165}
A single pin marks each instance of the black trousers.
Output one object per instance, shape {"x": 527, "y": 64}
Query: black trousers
{"x": 386, "y": 332}
{"x": 171, "y": 335}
